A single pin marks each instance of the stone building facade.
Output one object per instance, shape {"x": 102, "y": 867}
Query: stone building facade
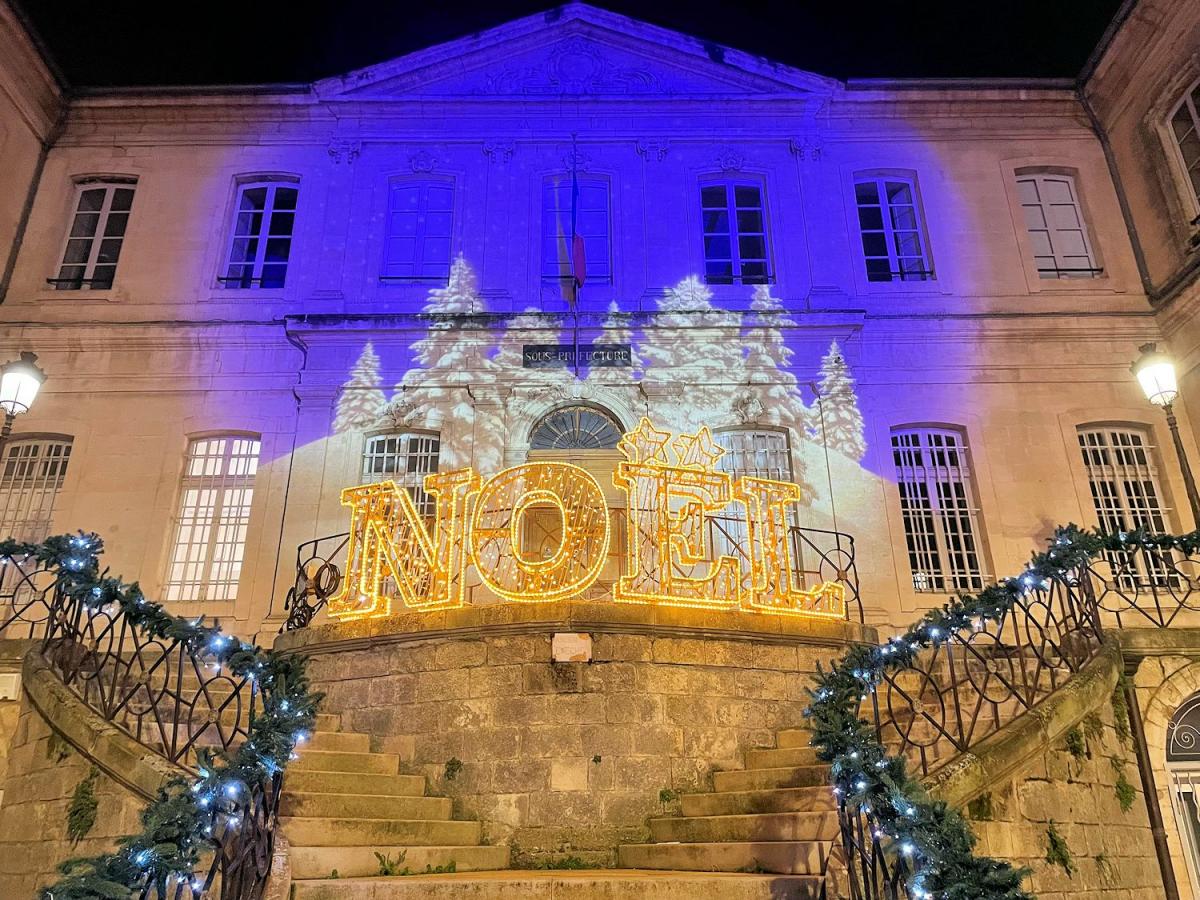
{"x": 917, "y": 300}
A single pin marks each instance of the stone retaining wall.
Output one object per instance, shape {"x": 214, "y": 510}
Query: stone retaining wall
{"x": 570, "y": 758}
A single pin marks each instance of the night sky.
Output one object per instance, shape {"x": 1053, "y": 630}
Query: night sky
{"x": 137, "y": 42}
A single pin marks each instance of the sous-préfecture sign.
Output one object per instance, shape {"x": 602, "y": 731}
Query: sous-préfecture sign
{"x": 556, "y": 356}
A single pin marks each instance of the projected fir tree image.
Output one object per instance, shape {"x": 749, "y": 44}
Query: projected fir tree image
{"x": 738, "y": 367}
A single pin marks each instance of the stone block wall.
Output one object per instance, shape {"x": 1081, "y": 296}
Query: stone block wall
{"x": 43, "y": 773}
{"x": 569, "y": 757}
{"x": 1111, "y": 849}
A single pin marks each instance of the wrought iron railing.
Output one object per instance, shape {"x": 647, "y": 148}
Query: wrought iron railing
{"x": 165, "y": 696}
{"x": 819, "y": 555}
{"x": 959, "y": 688}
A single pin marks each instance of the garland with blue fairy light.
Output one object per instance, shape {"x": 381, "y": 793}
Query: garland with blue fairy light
{"x": 934, "y": 840}
{"x": 179, "y": 824}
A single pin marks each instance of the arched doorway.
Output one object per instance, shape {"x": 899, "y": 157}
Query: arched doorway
{"x": 584, "y": 435}
{"x": 1183, "y": 766}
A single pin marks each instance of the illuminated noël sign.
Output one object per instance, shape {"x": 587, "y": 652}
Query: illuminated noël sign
{"x": 542, "y": 531}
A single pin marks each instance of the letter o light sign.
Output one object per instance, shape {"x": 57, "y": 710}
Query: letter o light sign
{"x": 567, "y": 503}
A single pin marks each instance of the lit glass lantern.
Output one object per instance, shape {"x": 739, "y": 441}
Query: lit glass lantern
{"x": 20, "y": 381}
{"x": 1156, "y": 374}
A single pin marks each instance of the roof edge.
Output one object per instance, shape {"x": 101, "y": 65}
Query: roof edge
{"x": 960, "y": 84}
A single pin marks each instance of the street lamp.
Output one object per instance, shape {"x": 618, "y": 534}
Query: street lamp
{"x": 20, "y": 381}
{"x": 1156, "y": 374}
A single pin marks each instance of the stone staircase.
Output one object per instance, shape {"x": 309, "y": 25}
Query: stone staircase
{"x": 777, "y": 815}
{"x": 342, "y": 804}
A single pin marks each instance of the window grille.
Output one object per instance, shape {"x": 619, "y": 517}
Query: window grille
{"x": 893, "y": 240}
{"x": 405, "y": 459}
{"x": 97, "y": 233}
{"x": 735, "y": 233}
{"x": 31, "y": 477}
{"x": 420, "y": 217}
{"x": 1185, "y": 126}
{"x": 1125, "y": 490}
{"x": 758, "y": 454}
{"x": 591, "y": 224}
{"x": 216, "y": 493}
{"x": 576, "y": 428}
{"x": 261, "y": 237}
{"x": 1061, "y": 248}
{"x": 938, "y": 509}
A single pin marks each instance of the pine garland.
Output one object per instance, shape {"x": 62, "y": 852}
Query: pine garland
{"x": 935, "y": 840}
{"x": 179, "y": 824}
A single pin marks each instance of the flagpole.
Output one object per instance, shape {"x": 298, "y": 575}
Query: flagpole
{"x": 575, "y": 279}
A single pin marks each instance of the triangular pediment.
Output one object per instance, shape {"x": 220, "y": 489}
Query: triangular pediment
{"x": 576, "y": 50}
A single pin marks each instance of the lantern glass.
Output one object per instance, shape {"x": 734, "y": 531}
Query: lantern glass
{"x": 20, "y": 382}
{"x": 1156, "y": 374}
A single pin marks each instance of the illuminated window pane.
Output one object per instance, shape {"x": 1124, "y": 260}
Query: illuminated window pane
{"x": 405, "y": 459}
{"x": 94, "y": 240}
{"x": 938, "y": 509}
{"x": 576, "y": 428}
{"x": 733, "y": 218}
{"x": 260, "y": 240}
{"x": 893, "y": 235}
{"x": 214, "y": 511}
{"x": 1125, "y": 490}
{"x": 32, "y": 472}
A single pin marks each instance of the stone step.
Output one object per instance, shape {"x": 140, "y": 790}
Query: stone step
{"x": 605, "y": 884}
{"x": 329, "y": 832}
{"x": 782, "y": 826}
{"x": 358, "y": 862}
{"x": 767, "y": 779}
{"x": 329, "y": 722}
{"x": 337, "y": 761}
{"x": 774, "y": 759}
{"x": 363, "y": 806}
{"x": 315, "y": 781}
{"x": 344, "y": 741}
{"x": 783, "y": 857}
{"x": 732, "y": 803}
{"x": 793, "y": 737}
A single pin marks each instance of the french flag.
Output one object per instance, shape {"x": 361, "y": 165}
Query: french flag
{"x": 578, "y": 259}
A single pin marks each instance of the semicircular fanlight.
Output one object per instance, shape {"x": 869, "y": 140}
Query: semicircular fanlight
{"x": 576, "y": 428}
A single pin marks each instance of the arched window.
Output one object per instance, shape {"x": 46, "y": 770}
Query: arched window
{"x": 1183, "y": 768}
{"x": 576, "y": 428}
{"x": 31, "y": 475}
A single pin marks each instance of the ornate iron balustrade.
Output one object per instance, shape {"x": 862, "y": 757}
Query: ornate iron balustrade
{"x": 955, "y": 693}
{"x": 819, "y": 555}
{"x": 164, "y": 696}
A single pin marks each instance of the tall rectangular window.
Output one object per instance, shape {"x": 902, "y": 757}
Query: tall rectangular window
{"x": 591, "y": 224}
{"x": 1125, "y": 492}
{"x": 31, "y": 476}
{"x": 1057, "y": 232}
{"x": 1185, "y": 126}
{"x": 97, "y": 233}
{"x": 938, "y": 508}
{"x": 735, "y": 233}
{"x": 214, "y": 511}
{"x": 893, "y": 239}
{"x": 405, "y": 459}
{"x": 260, "y": 240}
{"x": 420, "y": 217}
